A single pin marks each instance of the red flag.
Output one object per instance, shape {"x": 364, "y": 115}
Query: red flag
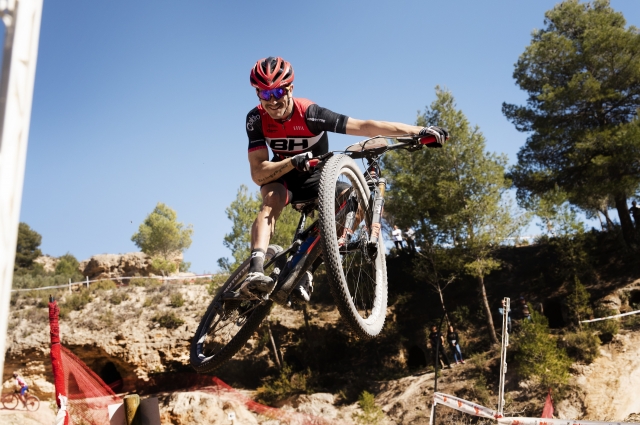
{"x": 547, "y": 411}
{"x": 56, "y": 362}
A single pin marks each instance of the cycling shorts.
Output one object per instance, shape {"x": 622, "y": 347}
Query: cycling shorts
{"x": 23, "y": 390}
{"x": 304, "y": 186}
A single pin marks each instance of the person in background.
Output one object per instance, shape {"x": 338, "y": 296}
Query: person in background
{"x": 397, "y": 237}
{"x": 524, "y": 309}
{"x": 454, "y": 344}
{"x": 437, "y": 345}
{"x": 23, "y": 387}
{"x": 410, "y": 237}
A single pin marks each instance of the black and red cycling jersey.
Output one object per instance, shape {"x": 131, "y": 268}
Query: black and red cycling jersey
{"x": 304, "y": 131}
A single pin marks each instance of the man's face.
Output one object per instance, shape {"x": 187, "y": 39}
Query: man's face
{"x": 278, "y": 109}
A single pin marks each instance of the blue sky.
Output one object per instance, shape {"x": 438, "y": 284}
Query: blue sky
{"x": 143, "y": 102}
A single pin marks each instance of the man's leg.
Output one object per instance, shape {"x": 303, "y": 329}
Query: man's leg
{"x": 274, "y": 199}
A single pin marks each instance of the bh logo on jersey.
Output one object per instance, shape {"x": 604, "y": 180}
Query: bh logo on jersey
{"x": 289, "y": 144}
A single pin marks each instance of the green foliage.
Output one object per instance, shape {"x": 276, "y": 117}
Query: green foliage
{"x": 161, "y": 234}
{"x": 68, "y": 267}
{"x": 185, "y": 266}
{"x": 583, "y": 346}
{"x": 27, "y": 248}
{"x": 285, "y": 384}
{"x": 217, "y": 280}
{"x": 582, "y": 76}
{"x": 75, "y": 301}
{"x": 176, "y": 300}
{"x": 371, "y": 412}
{"x": 557, "y": 216}
{"x": 163, "y": 266}
{"x": 104, "y": 285}
{"x": 242, "y": 212}
{"x": 481, "y": 390}
{"x": 118, "y": 297}
{"x": 168, "y": 320}
{"x": 538, "y": 355}
{"x": 578, "y": 302}
{"x": 606, "y": 329}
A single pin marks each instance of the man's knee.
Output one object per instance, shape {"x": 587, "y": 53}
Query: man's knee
{"x": 274, "y": 197}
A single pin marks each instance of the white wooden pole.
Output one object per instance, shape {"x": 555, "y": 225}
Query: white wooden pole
{"x": 22, "y": 32}
{"x": 506, "y": 309}
{"x": 87, "y": 282}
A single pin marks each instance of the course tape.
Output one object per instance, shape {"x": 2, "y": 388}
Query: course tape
{"x": 477, "y": 410}
{"x": 85, "y": 282}
{"x": 464, "y": 406}
{"x": 610, "y": 317}
{"x": 539, "y": 421}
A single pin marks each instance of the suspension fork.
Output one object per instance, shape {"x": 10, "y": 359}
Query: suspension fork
{"x": 378, "y": 206}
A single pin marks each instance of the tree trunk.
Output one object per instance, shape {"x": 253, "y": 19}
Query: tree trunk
{"x": 446, "y": 315}
{"x": 487, "y": 310}
{"x": 610, "y": 225}
{"x": 628, "y": 231}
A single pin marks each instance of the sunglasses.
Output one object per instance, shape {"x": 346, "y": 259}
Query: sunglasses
{"x": 278, "y": 93}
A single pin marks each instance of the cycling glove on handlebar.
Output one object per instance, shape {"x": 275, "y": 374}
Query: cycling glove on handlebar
{"x": 439, "y": 133}
{"x": 301, "y": 161}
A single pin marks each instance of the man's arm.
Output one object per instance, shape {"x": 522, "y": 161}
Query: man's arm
{"x": 264, "y": 171}
{"x": 370, "y": 128}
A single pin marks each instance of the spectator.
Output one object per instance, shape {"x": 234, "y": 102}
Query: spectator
{"x": 410, "y": 237}
{"x": 437, "y": 345}
{"x": 524, "y": 309}
{"x": 635, "y": 212}
{"x": 454, "y": 344}
{"x": 501, "y": 311}
{"x": 397, "y": 237}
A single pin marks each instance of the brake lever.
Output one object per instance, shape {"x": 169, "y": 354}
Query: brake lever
{"x": 313, "y": 162}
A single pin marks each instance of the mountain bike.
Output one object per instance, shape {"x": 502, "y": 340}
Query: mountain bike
{"x": 10, "y": 401}
{"x": 347, "y": 237}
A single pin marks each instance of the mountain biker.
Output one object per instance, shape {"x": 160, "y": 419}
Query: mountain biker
{"x": 295, "y": 130}
{"x": 23, "y": 387}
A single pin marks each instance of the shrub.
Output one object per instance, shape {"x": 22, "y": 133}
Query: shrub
{"x": 578, "y": 302}
{"x": 582, "y": 346}
{"x": 606, "y": 329}
{"x": 284, "y": 385}
{"x": 68, "y": 267}
{"x": 168, "y": 320}
{"x": 155, "y": 300}
{"x": 117, "y": 297}
{"x": 176, "y": 300}
{"x": 78, "y": 300}
{"x": 163, "y": 266}
{"x": 184, "y": 266}
{"x": 105, "y": 285}
{"x": 537, "y": 354}
{"x": 371, "y": 412}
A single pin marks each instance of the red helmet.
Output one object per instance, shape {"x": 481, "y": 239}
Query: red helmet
{"x": 270, "y": 73}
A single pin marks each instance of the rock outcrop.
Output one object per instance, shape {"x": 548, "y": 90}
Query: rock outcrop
{"x": 114, "y": 266}
{"x": 48, "y": 263}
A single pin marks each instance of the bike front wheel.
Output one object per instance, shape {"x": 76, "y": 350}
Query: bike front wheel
{"x": 9, "y": 401}
{"x": 33, "y": 403}
{"x": 227, "y": 325}
{"x": 357, "y": 274}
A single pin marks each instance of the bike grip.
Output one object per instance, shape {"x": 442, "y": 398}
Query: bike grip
{"x": 427, "y": 140}
{"x": 314, "y": 162}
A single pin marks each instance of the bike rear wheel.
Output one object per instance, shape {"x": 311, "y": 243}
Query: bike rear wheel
{"x": 227, "y": 325}
{"x": 33, "y": 403}
{"x": 9, "y": 401}
{"x": 358, "y": 278}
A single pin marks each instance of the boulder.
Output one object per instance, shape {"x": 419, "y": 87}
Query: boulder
{"x": 48, "y": 263}
{"x": 114, "y": 266}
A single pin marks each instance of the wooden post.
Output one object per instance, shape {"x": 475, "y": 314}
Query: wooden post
{"x": 69, "y": 284}
{"x": 87, "y": 282}
{"x": 131, "y": 414}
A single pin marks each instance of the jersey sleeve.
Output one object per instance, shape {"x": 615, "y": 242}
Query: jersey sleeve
{"x": 254, "y": 131}
{"x": 321, "y": 119}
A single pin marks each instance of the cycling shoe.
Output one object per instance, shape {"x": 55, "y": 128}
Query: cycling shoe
{"x": 302, "y": 292}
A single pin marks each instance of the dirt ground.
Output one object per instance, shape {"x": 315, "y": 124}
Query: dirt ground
{"x": 44, "y": 415}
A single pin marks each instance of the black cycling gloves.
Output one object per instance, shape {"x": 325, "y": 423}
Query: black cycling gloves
{"x": 301, "y": 161}
{"x": 439, "y": 133}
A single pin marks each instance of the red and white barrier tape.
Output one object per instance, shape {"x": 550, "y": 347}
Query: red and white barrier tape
{"x": 540, "y": 421}
{"x": 477, "y": 410}
{"x": 84, "y": 282}
{"x": 610, "y": 317}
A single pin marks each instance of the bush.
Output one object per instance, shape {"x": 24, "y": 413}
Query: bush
{"x": 184, "y": 266}
{"x": 582, "y": 346}
{"x": 163, "y": 266}
{"x": 117, "y": 297}
{"x": 104, "y": 285}
{"x": 537, "y": 354}
{"x": 606, "y": 329}
{"x": 168, "y": 320}
{"x": 78, "y": 300}
{"x": 68, "y": 267}
{"x": 176, "y": 300}
{"x": 287, "y": 383}
{"x": 371, "y": 412}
